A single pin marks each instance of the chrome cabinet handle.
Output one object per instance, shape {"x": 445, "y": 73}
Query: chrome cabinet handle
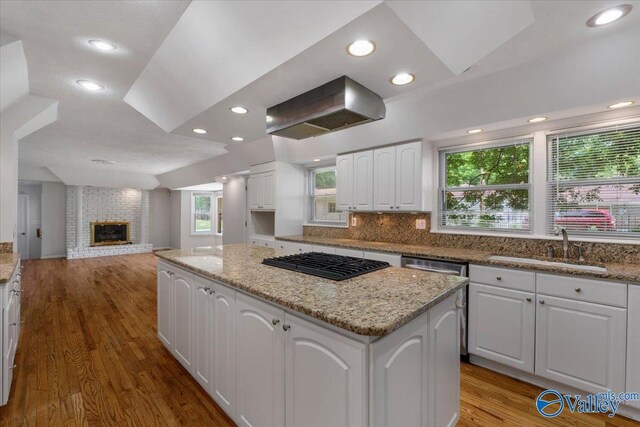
{"x": 16, "y": 323}
{"x": 203, "y": 288}
{"x": 391, "y": 207}
{"x": 286, "y": 327}
{"x": 528, "y": 299}
{"x": 16, "y": 291}
{"x": 460, "y": 305}
{"x": 212, "y": 291}
{"x": 578, "y": 290}
{"x": 275, "y": 321}
{"x": 498, "y": 277}
{"x": 542, "y": 301}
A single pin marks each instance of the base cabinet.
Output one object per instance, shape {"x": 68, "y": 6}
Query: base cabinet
{"x": 203, "y": 333}
{"x": 165, "y": 304}
{"x": 183, "y": 289}
{"x": 633, "y": 344}
{"x": 259, "y": 363}
{"x": 224, "y": 348}
{"x": 326, "y": 377}
{"x": 10, "y": 331}
{"x": 581, "y": 344}
{"x": 502, "y": 325}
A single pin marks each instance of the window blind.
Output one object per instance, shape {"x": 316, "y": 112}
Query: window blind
{"x": 486, "y": 188}
{"x": 593, "y": 179}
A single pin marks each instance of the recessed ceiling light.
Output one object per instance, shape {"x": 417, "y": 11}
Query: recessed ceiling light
{"x": 102, "y": 45}
{"x": 621, "y": 104}
{"x": 200, "y": 131}
{"x": 361, "y": 48}
{"x": 239, "y": 110}
{"x": 316, "y": 160}
{"x": 269, "y": 119}
{"x": 104, "y": 162}
{"x": 89, "y": 85}
{"x": 538, "y": 119}
{"x": 238, "y": 138}
{"x": 472, "y": 131}
{"x": 402, "y": 79}
{"x": 607, "y": 16}
{"x": 224, "y": 177}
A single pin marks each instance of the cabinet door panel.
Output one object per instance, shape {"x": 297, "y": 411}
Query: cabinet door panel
{"x": 344, "y": 182}
{"x": 408, "y": 181}
{"x": 182, "y": 319}
{"x": 224, "y": 365}
{"x": 581, "y": 344}
{"x": 363, "y": 180}
{"x": 165, "y": 307}
{"x": 255, "y": 191}
{"x": 203, "y": 333}
{"x": 502, "y": 325}
{"x": 633, "y": 344}
{"x": 268, "y": 190}
{"x": 8, "y": 348}
{"x": 259, "y": 364}
{"x": 384, "y": 186}
{"x": 325, "y": 377}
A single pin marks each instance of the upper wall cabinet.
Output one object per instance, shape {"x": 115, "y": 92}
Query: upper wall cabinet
{"x": 398, "y": 178}
{"x": 354, "y": 186}
{"x": 262, "y": 183}
{"x": 385, "y": 179}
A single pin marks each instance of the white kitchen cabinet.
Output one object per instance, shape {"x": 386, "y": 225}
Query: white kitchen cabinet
{"x": 398, "y": 178}
{"x": 165, "y": 305}
{"x": 502, "y": 325}
{"x": 326, "y": 377}
{"x": 344, "y": 182}
{"x": 393, "y": 259}
{"x": 10, "y": 330}
{"x": 295, "y": 247}
{"x": 633, "y": 343}
{"x": 183, "y": 289}
{"x": 259, "y": 363}
{"x": 324, "y": 249}
{"x": 354, "y": 181}
{"x": 223, "y": 348}
{"x": 581, "y": 344}
{"x": 262, "y": 194}
{"x": 349, "y": 252}
{"x": 203, "y": 333}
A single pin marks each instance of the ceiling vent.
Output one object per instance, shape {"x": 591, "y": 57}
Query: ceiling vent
{"x": 336, "y": 105}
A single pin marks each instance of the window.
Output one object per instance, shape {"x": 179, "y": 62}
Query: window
{"x": 201, "y": 213}
{"x": 219, "y": 214}
{"x": 486, "y": 188}
{"x": 594, "y": 181}
{"x": 323, "y": 197}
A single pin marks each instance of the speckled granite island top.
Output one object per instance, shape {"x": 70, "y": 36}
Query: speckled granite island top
{"x": 8, "y": 263}
{"x": 373, "y": 304}
{"x": 628, "y": 273}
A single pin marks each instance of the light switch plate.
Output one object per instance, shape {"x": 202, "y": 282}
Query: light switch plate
{"x": 421, "y": 224}
{"x": 354, "y": 221}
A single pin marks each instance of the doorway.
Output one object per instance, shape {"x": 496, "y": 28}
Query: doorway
{"x": 29, "y": 239}
{"x": 23, "y": 225}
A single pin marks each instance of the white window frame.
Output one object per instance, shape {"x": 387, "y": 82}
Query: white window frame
{"x": 194, "y": 194}
{"x": 311, "y": 198}
{"x": 530, "y": 186}
{"x": 217, "y": 197}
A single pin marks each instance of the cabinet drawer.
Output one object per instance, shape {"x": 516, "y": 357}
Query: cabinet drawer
{"x": 349, "y": 252}
{"x": 392, "y": 259}
{"x": 324, "y": 249}
{"x": 503, "y": 277}
{"x": 580, "y": 289}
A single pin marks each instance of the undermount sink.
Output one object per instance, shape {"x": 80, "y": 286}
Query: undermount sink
{"x": 548, "y": 263}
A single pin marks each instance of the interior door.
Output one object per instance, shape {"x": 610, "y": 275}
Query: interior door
{"x": 23, "y": 226}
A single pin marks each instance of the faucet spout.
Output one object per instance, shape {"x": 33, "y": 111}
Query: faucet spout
{"x": 565, "y": 241}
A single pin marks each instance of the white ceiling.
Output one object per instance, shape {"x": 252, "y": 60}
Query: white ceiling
{"x": 102, "y": 125}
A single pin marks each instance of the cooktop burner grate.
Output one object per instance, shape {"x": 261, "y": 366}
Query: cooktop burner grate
{"x": 329, "y": 266}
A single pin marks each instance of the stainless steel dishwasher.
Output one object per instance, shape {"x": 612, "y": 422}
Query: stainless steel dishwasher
{"x": 451, "y": 268}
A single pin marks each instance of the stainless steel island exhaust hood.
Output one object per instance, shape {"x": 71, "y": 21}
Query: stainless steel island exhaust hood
{"x": 336, "y": 105}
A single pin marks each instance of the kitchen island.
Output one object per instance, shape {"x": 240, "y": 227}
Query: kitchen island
{"x": 275, "y": 347}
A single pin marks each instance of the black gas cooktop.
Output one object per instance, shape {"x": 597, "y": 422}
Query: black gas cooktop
{"x": 334, "y": 267}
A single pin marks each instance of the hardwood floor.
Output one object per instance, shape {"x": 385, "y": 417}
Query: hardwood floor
{"x": 89, "y": 355}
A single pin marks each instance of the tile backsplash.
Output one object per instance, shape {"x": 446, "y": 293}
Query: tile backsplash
{"x": 401, "y": 228}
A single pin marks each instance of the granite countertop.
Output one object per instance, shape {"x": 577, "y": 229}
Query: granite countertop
{"x": 8, "y": 263}
{"x": 373, "y": 304}
{"x": 628, "y": 273}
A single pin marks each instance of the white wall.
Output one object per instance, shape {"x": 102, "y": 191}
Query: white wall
{"x": 34, "y": 191}
{"x": 235, "y": 210}
{"x": 160, "y": 218}
{"x": 53, "y": 220}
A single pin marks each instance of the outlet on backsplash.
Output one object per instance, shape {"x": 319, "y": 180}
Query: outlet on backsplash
{"x": 354, "y": 221}
{"x": 421, "y": 224}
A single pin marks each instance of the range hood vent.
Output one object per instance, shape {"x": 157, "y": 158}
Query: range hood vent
{"x": 336, "y": 105}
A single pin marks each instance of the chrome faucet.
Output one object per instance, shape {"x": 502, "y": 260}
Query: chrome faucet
{"x": 565, "y": 241}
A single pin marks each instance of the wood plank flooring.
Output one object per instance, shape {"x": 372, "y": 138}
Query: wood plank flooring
{"x": 89, "y": 355}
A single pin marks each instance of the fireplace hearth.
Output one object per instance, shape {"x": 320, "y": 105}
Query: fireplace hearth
{"x": 109, "y": 233}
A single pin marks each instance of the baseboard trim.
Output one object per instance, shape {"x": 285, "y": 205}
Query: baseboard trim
{"x": 52, "y": 256}
{"x": 624, "y": 409}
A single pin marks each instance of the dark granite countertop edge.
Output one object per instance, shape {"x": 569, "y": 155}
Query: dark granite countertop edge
{"x": 476, "y": 257}
{"x": 359, "y": 329}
